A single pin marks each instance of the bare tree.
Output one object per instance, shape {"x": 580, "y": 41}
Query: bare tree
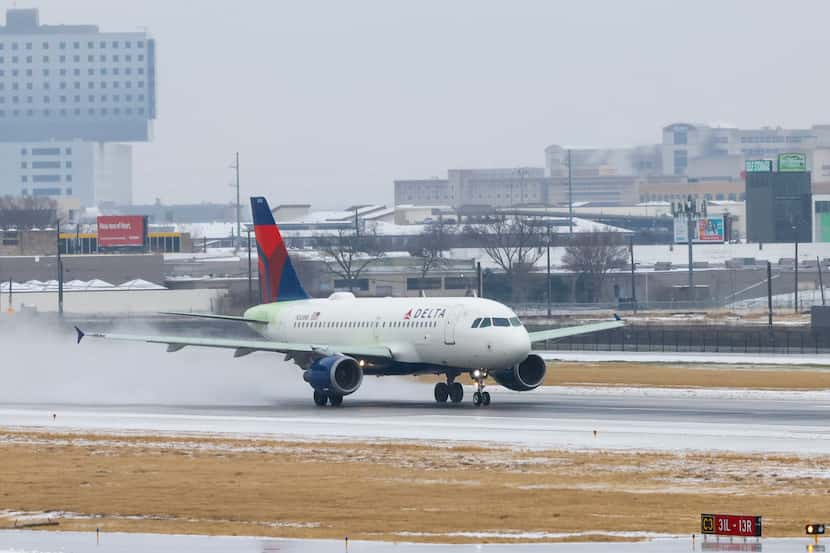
{"x": 514, "y": 244}
{"x": 430, "y": 246}
{"x": 348, "y": 253}
{"x": 27, "y": 211}
{"x": 592, "y": 255}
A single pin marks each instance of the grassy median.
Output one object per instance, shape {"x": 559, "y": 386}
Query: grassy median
{"x": 389, "y": 491}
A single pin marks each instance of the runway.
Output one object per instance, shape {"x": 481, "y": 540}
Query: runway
{"x": 82, "y": 542}
{"x": 555, "y": 417}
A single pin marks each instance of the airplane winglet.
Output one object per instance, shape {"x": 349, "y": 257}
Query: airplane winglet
{"x": 617, "y": 317}
{"x": 81, "y": 334}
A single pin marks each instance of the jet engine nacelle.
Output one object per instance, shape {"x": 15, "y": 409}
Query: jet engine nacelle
{"x": 523, "y": 376}
{"x": 337, "y": 374}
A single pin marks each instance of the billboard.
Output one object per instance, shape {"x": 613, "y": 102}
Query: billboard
{"x": 706, "y": 230}
{"x": 758, "y": 166}
{"x": 122, "y": 231}
{"x": 792, "y": 163}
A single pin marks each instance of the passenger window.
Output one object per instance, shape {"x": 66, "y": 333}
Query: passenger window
{"x": 484, "y": 322}
{"x": 500, "y": 321}
{"x": 476, "y": 323}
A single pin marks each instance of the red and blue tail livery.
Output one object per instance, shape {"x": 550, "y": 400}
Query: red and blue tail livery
{"x": 277, "y": 277}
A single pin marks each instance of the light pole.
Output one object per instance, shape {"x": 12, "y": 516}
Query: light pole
{"x": 633, "y": 288}
{"x": 250, "y": 272}
{"x": 60, "y": 270}
{"x": 235, "y": 167}
{"x": 570, "y": 199}
{"x": 690, "y": 210}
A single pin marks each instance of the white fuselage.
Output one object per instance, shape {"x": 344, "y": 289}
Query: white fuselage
{"x": 431, "y": 331}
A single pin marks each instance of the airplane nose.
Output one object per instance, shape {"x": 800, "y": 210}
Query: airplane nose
{"x": 519, "y": 345}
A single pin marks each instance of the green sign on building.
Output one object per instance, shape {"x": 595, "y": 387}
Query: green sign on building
{"x": 792, "y": 163}
{"x": 758, "y": 166}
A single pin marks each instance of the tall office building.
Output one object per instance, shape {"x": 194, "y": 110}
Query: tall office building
{"x": 70, "y": 96}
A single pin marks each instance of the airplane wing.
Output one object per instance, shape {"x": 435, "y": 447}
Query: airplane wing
{"x": 244, "y": 347}
{"x": 555, "y": 333}
{"x": 212, "y": 316}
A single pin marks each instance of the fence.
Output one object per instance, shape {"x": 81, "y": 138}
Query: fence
{"x": 703, "y": 338}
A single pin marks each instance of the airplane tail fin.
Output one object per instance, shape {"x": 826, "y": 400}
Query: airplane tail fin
{"x": 277, "y": 277}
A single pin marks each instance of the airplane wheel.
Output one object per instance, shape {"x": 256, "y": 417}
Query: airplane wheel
{"x": 477, "y": 399}
{"x": 320, "y": 398}
{"x": 442, "y": 392}
{"x": 485, "y": 398}
{"x": 336, "y": 400}
{"x": 456, "y": 392}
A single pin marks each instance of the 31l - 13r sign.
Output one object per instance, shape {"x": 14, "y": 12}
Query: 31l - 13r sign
{"x": 731, "y": 525}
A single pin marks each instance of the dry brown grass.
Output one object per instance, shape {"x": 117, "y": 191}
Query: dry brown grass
{"x": 684, "y": 376}
{"x": 379, "y": 491}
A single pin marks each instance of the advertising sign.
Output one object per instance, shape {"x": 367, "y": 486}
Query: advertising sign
{"x": 790, "y": 163}
{"x": 758, "y": 166}
{"x": 122, "y": 231}
{"x": 710, "y": 229}
{"x": 731, "y": 525}
{"x": 706, "y": 230}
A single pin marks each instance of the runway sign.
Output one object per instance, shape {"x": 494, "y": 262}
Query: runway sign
{"x": 731, "y": 525}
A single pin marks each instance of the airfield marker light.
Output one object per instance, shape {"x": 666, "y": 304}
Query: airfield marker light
{"x": 815, "y": 530}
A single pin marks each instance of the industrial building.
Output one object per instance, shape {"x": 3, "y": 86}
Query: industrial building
{"x": 70, "y": 97}
{"x": 779, "y": 206}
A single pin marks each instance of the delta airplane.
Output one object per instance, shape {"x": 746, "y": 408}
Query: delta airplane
{"x": 339, "y": 339}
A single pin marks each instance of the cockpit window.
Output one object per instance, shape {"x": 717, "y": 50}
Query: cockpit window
{"x": 514, "y": 321}
{"x": 476, "y": 323}
{"x": 484, "y": 322}
{"x": 500, "y": 321}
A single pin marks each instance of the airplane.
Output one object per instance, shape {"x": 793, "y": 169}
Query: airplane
{"x": 338, "y": 340}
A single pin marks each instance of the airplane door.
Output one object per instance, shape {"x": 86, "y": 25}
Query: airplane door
{"x": 376, "y": 330}
{"x": 449, "y": 325}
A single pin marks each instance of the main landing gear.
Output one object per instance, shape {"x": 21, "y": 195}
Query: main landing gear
{"x": 451, "y": 390}
{"x": 480, "y": 397}
{"x": 321, "y": 398}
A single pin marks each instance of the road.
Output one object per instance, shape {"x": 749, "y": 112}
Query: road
{"x": 555, "y": 417}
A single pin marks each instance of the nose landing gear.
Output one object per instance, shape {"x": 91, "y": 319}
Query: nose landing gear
{"x": 480, "y": 397}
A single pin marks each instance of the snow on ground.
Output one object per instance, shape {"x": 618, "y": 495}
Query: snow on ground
{"x": 776, "y": 359}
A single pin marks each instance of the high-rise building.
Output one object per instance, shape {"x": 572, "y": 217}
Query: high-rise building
{"x": 70, "y": 96}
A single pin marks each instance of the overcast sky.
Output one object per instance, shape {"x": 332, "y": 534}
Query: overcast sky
{"x": 329, "y": 102}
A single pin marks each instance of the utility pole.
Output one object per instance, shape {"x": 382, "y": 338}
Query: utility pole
{"x": 795, "y": 263}
{"x": 769, "y": 293}
{"x": 633, "y": 288}
{"x": 250, "y": 273}
{"x": 60, "y": 271}
{"x": 479, "y": 281}
{"x": 570, "y": 198}
{"x": 549, "y": 294}
{"x": 235, "y": 166}
{"x": 820, "y": 281}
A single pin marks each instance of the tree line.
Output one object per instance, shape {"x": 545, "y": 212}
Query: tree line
{"x": 514, "y": 244}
